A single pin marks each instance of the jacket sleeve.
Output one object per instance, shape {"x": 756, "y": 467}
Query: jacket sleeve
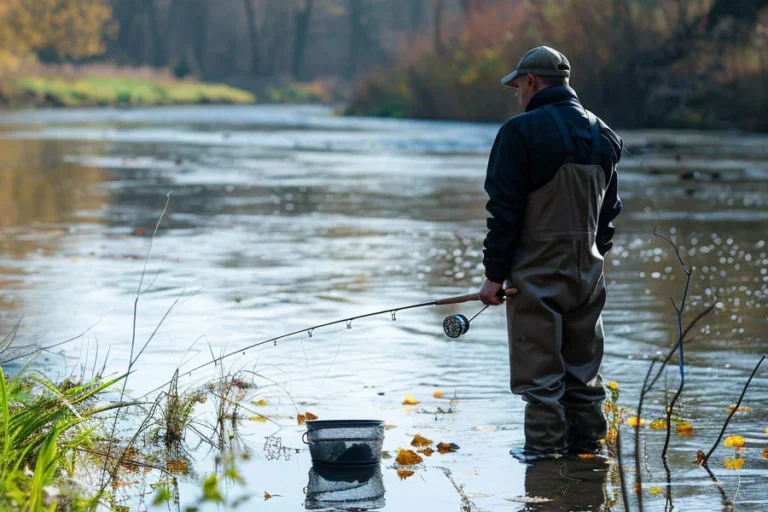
{"x": 506, "y": 183}
{"x": 611, "y": 206}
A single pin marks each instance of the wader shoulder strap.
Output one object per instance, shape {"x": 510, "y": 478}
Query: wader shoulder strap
{"x": 595, "y": 137}
{"x": 570, "y": 150}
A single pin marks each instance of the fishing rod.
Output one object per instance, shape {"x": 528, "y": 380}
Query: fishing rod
{"x": 454, "y": 326}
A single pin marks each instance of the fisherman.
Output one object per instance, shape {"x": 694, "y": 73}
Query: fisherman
{"x": 553, "y": 195}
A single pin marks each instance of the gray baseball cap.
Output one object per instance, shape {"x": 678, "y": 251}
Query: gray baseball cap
{"x": 542, "y": 61}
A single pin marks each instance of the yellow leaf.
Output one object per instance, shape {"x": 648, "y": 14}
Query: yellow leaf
{"x": 655, "y": 490}
{"x": 410, "y": 400}
{"x": 426, "y": 451}
{"x": 685, "y": 429}
{"x": 634, "y": 421}
{"x": 733, "y": 442}
{"x": 267, "y": 495}
{"x": 404, "y": 473}
{"x": 660, "y": 424}
{"x": 699, "y": 458}
{"x": 766, "y": 431}
{"x": 587, "y": 456}
{"x": 301, "y": 419}
{"x": 310, "y": 416}
{"x": 438, "y": 394}
{"x": 408, "y": 458}
{"x": 258, "y": 419}
{"x": 418, "y": 440}
{"x": 742, "y": 408}
{"x": 444, "y": 448}
{"x": 613, "y": 385}
{"x": 735, "y": 463}
{"x": 260, "y": 403}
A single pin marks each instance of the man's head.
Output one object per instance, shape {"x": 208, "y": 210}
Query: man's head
{"x": 540, "y": 68}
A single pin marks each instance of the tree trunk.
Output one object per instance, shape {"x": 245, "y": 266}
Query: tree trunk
{"x": 356, "y": 35}
{"x": 438, "y": 7}
{"x": 302, "y": 23}
{"x": 253, "y": 37}
{"x": 417, "y": 17}
{"x": 158, "y": 44}
{"x": 198, "y": 28}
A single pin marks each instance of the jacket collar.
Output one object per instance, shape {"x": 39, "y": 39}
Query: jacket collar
{"x": 554, "y": 94}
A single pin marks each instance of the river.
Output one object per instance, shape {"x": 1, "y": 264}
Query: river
{"x": 283, "y": 217}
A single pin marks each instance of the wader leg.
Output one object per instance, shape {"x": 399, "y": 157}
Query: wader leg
{"x": 537, "y": 371}
{"x": 582, "y": 400}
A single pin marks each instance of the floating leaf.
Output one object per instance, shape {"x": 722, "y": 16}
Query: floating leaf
{"x": 487, "y": 428}
{"x": 260, "y": 403}
{"x": 301, "y": 419}
{"x": 685, "y": 429}
{"x": 310, "y": 416}
{"x": 410, "y": 400}
{"x": 742, "y": 408}
{"x": 438, "y": 394}
{"x": 660, "y": 424}
{"x": 765, "y": 453}
{"x": 404, "y": 473}
{"x": 735, "y": 463}
{"x": 655, "y": 490}
{"x": 385, "y": 455}
{"x": 587, "y": 456}
{"x": 258, "y": 419}
{"x": 418, "y": 440}
{"x": 634, "y": 421}
{"x": 426, "y": 451}
{"x": 699, "y": 458}
{"x": 444, "y": 448}
{"x": 613, "y": 385}
{"x": 733, "y": 442}
{"x": 267, "y": 495}
{"x": 408, "y": 458}
{"x": 389, "y": 427}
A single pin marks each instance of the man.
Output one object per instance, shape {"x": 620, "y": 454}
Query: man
{"x": 553, "y": 195}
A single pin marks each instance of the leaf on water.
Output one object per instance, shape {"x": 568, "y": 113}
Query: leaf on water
{"x": 685, "y": 429}
{"x": 634, "y": 421}
{"x": 258, "y": 419}
{"x": 444, "y": 448}
{"x": 486, "y": 428}
{"x": 404, "y": 473}
{"x": 419, "y": 441}
{"x": 765, "y": 453}
{"x": 389, "y": 427}
{"x": 385, "y": 455}
{"x": 613, "y": 385}
{"x": 438, "y": 394}
{"x": 660, "y": 424}
{"x": 408, "y": 458}
{"x": 310, "y": 416}
{"x": 301, "y": 419}
{"x": 742, "y": 408}
{"x": 426, "y": 451}
{"x": 733, "y": 442}
{"x": 766, "y": 431}
{"x": 699, "y": 458}
{"x": 735, "y": 463}
{"x": 410, "y": 400}
{"x": 267, "y": 495}
{"x": 260, "y": 403}
{"x": 655, "y": 490}
{"x": 587, "y": 456}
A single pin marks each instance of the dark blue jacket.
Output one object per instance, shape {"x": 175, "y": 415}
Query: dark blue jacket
{"x": 526, "y": 155}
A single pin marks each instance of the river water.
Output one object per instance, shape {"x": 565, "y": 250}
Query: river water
{"x": 281, "y": 218}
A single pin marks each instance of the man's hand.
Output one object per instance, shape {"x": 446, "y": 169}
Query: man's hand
{"x": 492, "y": 294}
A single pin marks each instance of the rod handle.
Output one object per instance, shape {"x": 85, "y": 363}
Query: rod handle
{"x": 509, "y": 292}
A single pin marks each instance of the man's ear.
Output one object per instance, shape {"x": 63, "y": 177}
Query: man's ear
{"x": 531, "y": 81}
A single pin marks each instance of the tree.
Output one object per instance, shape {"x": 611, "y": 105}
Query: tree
{"x": 302, "y": 21}
{"x": 253, "y": 37}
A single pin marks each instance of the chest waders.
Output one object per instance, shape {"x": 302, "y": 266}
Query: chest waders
{"x": 554, "y": 323}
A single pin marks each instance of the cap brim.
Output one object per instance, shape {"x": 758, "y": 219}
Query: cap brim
{"x": 508, "y": 81}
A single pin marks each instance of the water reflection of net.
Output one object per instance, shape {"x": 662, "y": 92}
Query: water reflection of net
{"x": 349, "y": 488}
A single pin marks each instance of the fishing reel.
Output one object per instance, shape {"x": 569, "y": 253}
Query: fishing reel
{"x": 455, "y": 326}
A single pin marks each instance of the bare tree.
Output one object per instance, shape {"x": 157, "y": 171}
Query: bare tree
{"x": 302, "y": 23}
{"x": 253, "y": 37}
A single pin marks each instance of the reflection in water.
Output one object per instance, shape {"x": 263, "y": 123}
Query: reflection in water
{"x": 345, "y": 488}
{"x": 566, "y": 485}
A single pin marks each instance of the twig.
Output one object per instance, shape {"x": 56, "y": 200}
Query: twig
{"x": 638, "y": 472}
{"x": 733, "y": 411}
{"x": 717, "y": 484}
{"x": 620, "y": 468}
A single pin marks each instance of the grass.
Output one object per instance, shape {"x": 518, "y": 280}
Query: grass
{"x": 95, "y": 91}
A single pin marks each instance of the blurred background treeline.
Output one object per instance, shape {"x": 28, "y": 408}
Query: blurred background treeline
{"x": 638, "y": 63}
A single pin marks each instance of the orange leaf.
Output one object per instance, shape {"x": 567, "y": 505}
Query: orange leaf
{"x": 410, "y": 400}
{"x": 765, "y": 453}
{"x": 310, "y": 416}
{"x": 408, "y": 458}
{"x": 438, "y": 394}
{"x": 444, "y": 448}
{"x": 427, "y": 451}
{"x": 418, "y": 440}
{"x": 587, "y": 456}
{"x": 404, "y": 473}
{"x": 685, "y": 429}
{"x": 699, "y": 458}
{"x": 301, "y": 419}
{"x": 742, "y": 408}
{"x": 267, "y": 495}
